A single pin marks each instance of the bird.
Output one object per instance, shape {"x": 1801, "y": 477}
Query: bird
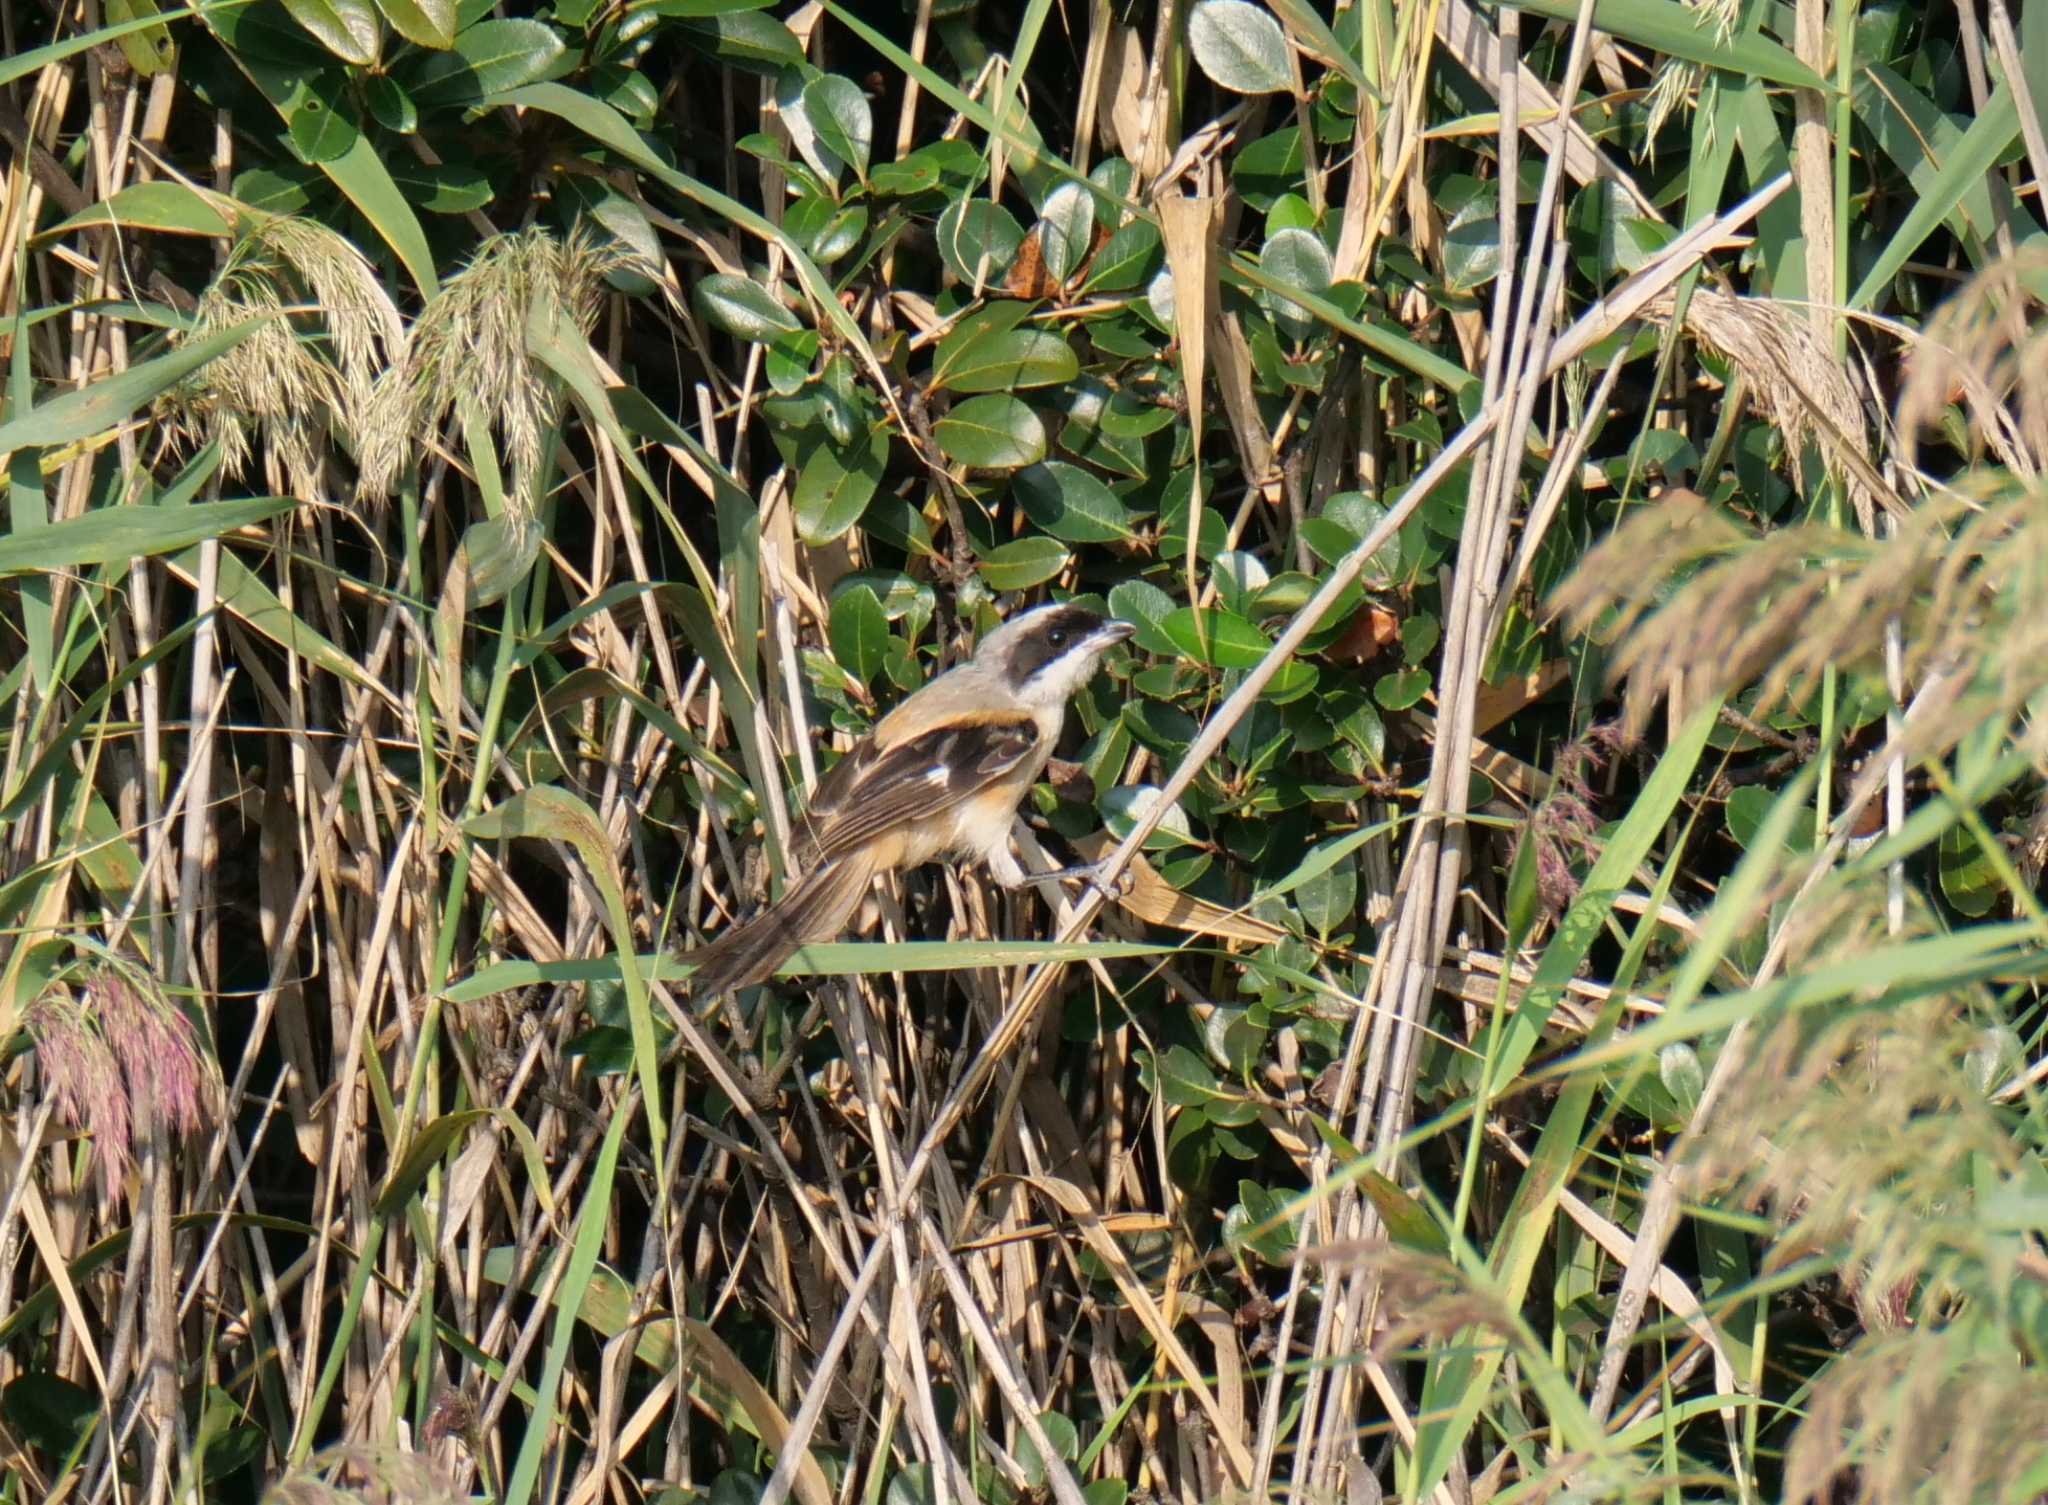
{"x": 941, "y": 774}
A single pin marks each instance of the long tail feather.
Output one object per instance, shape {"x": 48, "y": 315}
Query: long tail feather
{"x": 817, "y": 909}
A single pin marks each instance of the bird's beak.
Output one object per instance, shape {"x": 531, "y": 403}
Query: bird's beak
{"x": 1113, "y": 632}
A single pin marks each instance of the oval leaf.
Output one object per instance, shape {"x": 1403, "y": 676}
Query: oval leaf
{"x": 835, "y": 485}
{"x": 1066, "y": 227}
{"x": 1240, "y": 47}
{"x": 1070, "y": 504}
{"x": 431, "y": 23}
{"x": 1020, "y": 565}
{"x": 1220, "y": 639}
{"x": 346, "y": 28}
{"x": 742, "y": 307}
{"x": 839, "y": 113}
{"x": 991, "y": 433}
{"x": 1013, "y": 358}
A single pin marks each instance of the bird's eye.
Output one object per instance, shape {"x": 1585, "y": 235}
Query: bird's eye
{"x": 1057, "y": 637}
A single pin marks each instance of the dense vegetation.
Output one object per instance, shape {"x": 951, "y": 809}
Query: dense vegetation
{"x": 1569, "y": 1026}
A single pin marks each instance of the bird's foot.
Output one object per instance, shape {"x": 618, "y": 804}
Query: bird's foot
{"x": 1093, "y": 875}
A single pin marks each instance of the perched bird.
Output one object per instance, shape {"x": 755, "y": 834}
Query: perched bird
{"x": 941, "y": 774}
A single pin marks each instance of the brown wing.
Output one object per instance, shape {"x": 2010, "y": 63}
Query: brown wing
{"x": 872, "y": 789}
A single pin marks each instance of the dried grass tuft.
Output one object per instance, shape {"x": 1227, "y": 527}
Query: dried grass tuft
{"x": 1984, "y": 358}
{"x": 1945, "y": 1418}
{"x": 356, "y": 1475}
{"x": 1861, "y": 1132}
{"x": 470, "y": 347}
{"x": 1700, "y": 602}
{"x": 1804, "y": 389}
{"x": 327, "y": 330}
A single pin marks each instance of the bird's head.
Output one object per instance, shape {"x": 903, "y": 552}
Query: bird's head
{"x": 1048, "y": 653}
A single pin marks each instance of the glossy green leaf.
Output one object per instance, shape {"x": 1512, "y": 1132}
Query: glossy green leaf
{"x": 992, "y": 432}
{"x": 487, "y": 58}
{"x": 1070, "y": 503}
{"x": 835, "y": 485}
{"x": 978, "y": 240}
{"x": 1066, "y": 230}
{"x": 1146, "y": 607}
{"x": 162, "y": 205}
{"x": 1009, "y": 360}
{"x": 1023, "y": 563}
{"x": 346, "y": 28}
{"x": 430, "y": 23}
{"x": 859, "y": 632}
{"x": 1220, "y": 639}
{"x": 317, "y": 115}
{"x": 743, "y": 308}
{"x": 840, "y": 114}
{"x": 745, "y": 39}
{"x": 149, "y": 51}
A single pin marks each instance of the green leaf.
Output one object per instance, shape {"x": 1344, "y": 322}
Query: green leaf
{"x": 1328, "y": 899}
{"x": 1240, "y": 47}
{"x": 1061, "y": 1433}
{"x": 162, "y": 205}
{"x": 1961, "y": 173}
{"x": 1471, "y": 249}
{"x": 346, "y": 28}
{"x": 109, "y": 402}
{"x": 390, "y": 106}
{"x": 859, "y": 632}
{"x": 1146, "y": 607}
{"x": 488, "y": 58}
{"x": 445, "y": 187}
{"x": 1217, "y": 638}
{"x": 1022, "y": 564}
{"x": 1669, "y": 27}
{"x": 994, "y": 432}
{"x": 316, "y": 116}
{"x": 1070, "y": 504}
{"x": 745, "y": 39}
{"x": 836, "y": 483}
{"x": 1130, "y": 255}
{"x": 150, "y": 51}
{"x": 1007, "y": 361}
{"x": 978, "y": 240}
{"x": 839, "y": 113}
{"x": 1299, "y": 261}
{"x": 1399, "y": 691}
{"x": 1969, "y": 879}
{"x": 743, "y": 308}
{"x": 1066, "y": 229}
{"x": 430, "y": 23}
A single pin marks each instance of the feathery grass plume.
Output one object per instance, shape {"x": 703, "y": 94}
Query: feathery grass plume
{"x": 1985, "y": 352}
{"x": 1951, "y": 1417}
{"x": 286, "y": 386}
{"x": 117, "y": 1058}
{"x": 1563, "y": 824}
{"x": 356, "y": 1474}
{"x": 1804, "y": 389}
{"x": 1697, "y": 600}
{"x": 83, "y": 1080}
{"x": 470, "y": 346}
{"x": 1867, "y": 1132}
